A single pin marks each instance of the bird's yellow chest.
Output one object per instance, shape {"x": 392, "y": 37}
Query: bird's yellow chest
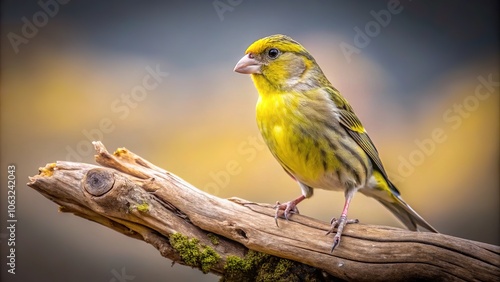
{"x": 286, "y": 131}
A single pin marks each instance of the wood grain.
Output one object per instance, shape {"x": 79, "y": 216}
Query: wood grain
{"x": 136, "y": 198}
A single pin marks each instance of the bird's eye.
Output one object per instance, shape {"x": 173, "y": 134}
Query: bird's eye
{"x": 273, "y": 53}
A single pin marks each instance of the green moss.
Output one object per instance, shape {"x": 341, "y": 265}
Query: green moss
{"x": 235, "y": 264}
{"x": 251, "y": 261}
{"x": 48, "y": 170}
{"x": 257, "y": 266}
{"x": 282, "y": 268}
{"x": 245, "y": 269}
{"x": 213, "y": 238}
{"x": 144, "y": 207}
{"x": 208, "y": 258}
{"x": 193, "y": 253}
{"x": 120, "y": 152}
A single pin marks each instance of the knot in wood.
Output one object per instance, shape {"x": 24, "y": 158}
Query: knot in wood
{"x": 98, "y": 181}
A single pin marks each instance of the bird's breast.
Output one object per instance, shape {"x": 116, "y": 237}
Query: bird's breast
{"x": 296, "y": 140}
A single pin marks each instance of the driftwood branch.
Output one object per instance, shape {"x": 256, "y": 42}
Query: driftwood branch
{"x": 188, "y": 226}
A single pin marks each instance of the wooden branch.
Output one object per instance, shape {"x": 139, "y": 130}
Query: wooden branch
{"x": 188, "y": 226}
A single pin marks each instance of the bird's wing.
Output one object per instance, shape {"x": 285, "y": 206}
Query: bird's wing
{"x": 356, "y": 130}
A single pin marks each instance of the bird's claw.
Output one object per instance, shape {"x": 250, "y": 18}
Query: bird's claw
{"x": 285, "y": 210}
{"x": 334, "y": 222}
{"x": 339, "y": 224}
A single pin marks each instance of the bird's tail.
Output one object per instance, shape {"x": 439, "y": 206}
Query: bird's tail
{"x": 406, "y": 214}
{"x": 393, "y": 202}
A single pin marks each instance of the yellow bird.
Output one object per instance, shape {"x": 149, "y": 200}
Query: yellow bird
{"x": 314, "y": 133}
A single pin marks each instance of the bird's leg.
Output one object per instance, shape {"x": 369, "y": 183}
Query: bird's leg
{"x": 342, "y": 221}
{"x": 287, "y": 208}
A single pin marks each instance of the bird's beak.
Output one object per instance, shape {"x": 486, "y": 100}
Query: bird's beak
{"x": 248, "y": 65}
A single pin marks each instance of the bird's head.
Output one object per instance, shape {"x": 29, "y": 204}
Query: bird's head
{"x": 280, "y": 62}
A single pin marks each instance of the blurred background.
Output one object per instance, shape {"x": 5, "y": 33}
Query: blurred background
{"x": 422, "y": 76}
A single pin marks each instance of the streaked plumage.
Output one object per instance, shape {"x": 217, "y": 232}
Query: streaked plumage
{"x": 313, "y": 132}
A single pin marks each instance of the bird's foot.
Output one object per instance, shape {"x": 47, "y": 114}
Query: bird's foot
{"x": 285, "y": 210}
{"x": 336, "y": 222}
{"x": 339, "y": 224}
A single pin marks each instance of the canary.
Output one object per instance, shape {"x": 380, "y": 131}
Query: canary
{"x": 314, "y": 134}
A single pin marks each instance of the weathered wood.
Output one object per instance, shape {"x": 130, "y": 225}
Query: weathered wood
{"x": 136, "y": 198}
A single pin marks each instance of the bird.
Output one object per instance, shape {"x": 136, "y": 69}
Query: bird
{"x": 313, "y": 132}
